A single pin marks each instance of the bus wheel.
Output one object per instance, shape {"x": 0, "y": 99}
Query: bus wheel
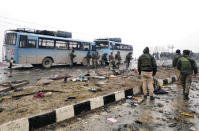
{"x": 47, "y": 62}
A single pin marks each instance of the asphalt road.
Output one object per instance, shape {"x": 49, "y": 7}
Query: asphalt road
{"x": 165, "y": 113}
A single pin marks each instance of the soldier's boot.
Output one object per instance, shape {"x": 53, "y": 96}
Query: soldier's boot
{"x": 145, "y": 97}
{"x": 186, "y": 97}
{"x": 152, "y": 98}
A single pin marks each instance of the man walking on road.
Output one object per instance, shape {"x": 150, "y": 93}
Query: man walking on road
{"x": 174, "y": 63}
{"x": 187, "y": 66}
{"x": 147, "y": 68}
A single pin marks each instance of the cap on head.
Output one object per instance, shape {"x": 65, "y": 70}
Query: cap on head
{"x": 186, "y": 52}
{"x": 177, "y": 51}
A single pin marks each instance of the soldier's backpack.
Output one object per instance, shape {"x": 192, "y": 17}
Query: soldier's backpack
{"x": 146, "y": 60}
{"x": 186, "y": 66}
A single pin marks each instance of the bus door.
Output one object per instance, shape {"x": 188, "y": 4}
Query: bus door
{"x": 27, "y": 49}
{"x": 9, "y": 47}
{"x": 81, "y": 52}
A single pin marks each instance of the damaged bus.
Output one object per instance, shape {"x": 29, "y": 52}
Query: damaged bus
{"x": 44, "y": 48}
{"x": 108, "y": 45}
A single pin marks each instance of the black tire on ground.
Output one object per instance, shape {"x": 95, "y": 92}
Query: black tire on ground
{"x": 47, "y": 62}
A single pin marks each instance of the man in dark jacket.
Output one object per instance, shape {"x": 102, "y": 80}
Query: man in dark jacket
{"x": 187, "y": 66}
{"x": 175, "y": 60}
{"x": 147, "y": 68}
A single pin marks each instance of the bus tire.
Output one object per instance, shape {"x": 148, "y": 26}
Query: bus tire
{"x": 47, "y": 62}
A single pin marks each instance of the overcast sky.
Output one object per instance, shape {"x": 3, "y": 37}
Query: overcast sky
{"x": 138, "y": 22}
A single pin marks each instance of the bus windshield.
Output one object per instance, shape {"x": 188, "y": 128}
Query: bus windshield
{"x": 10, "y": 38}
{"x": 101, "y": 44}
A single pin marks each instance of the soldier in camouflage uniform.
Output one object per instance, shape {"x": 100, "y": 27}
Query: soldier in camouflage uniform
{"x": 88, "y": 57}
{"x": 128, "y": 60}
{"x": 95, "y": 58}
{"x": 104, "y": 59}
{"x": 111, "y": 61}
{"x": 187, "y": 66}
{"x": 174, "y": 63}
{"x": 118, "y": 59}
{"x": 147, "y": 68}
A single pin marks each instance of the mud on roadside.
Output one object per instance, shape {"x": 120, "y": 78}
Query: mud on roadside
{"x": 28, "y": 105}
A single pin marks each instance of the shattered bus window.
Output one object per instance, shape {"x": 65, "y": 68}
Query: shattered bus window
{"x": 101, "y": 44}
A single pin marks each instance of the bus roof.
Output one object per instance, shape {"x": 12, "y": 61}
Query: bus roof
{"x": 47, "y": 36}
{"x": 111, "y": 41}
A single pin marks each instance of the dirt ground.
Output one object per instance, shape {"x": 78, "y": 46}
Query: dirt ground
{"x": 18, "y": 107}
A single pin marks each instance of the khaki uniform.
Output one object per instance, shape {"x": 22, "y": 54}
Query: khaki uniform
{"x": 174, "y": 63}
{"x": 147, "y": 67}
{"x": 147, "y": 80}
{"x": 177, "y": 73}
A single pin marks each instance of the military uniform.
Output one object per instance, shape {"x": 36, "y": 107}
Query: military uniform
{"x": 187, "y": 66}
{"x": 111, "y": 61}
{"x": 147, "y": 67}
{"x": 104, "y": 59}
{"x": 95, "y": 58}
{"x": 174, "y": 63}
{"x": 118, "y": 59}
{"x": 88, "y": 57}
{"x": 128, "y": 60}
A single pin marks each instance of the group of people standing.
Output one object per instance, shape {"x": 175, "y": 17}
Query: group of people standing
{"x": 184, "y": 68}
{"x": 93, "y": 59}
{"x": 115, "y": 62}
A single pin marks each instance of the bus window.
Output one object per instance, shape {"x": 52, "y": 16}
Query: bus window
{"x": 73, "y": 45}
{"x": 112, "y": 46}
{"x": 62, "y": 44}
{"x": 10, "y": 39}
{"x": 117, "y": 47}
{"x": 86, "y": 46}
{"x": 46, "y": 43}
{"x": 31, "y": 43}
{"x": 101, "y": 44}
{"x": 23, "y": 41}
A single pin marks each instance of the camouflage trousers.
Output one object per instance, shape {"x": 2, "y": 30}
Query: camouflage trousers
{"x": 186, "y": 83}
